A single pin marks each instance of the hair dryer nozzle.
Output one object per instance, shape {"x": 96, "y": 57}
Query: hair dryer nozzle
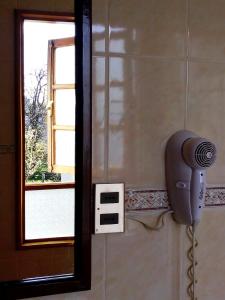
{"x": 199, "y": 153}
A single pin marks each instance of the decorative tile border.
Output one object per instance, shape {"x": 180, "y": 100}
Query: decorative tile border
{"x": 156, "y": 199}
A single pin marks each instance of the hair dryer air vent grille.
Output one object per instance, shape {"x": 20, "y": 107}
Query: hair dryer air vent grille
{"x": 199, "y": 152}
{"x": 205, "y": 154}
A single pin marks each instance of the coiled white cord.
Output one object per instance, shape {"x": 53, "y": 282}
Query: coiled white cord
{"x": 191, "y": 273}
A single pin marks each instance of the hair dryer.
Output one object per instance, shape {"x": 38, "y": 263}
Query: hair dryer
{"x": 187, "y": 157}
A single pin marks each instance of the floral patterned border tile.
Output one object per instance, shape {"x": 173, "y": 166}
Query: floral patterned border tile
{"x": 156, "y": 199}
{"x": 146, "y": 199}
{"x": 215, "y": 196}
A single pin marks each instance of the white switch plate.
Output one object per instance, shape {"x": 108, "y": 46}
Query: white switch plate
{"x": 108, "y": 210}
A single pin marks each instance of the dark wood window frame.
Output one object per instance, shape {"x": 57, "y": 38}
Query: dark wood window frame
{"x": 81, "y": 279}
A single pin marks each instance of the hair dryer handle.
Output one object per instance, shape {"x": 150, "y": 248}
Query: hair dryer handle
{"x": 197, "y": 193}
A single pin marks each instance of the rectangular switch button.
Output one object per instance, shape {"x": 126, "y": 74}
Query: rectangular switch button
{"x": 107, "y": 198}
{"x": 108, "y": 219}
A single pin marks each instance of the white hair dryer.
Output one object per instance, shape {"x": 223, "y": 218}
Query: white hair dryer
{"x": 187, "y": 157}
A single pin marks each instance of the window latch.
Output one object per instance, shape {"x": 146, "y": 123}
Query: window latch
{"x": 49, "y": 108}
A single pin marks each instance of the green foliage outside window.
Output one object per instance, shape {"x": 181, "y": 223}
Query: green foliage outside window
{"x": 36, "y": 152}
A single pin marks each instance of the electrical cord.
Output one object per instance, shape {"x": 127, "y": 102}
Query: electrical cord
{"x": 158, "y": 224}
{"x": 190, "y": 230}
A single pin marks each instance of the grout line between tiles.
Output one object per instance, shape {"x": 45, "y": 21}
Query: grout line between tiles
{"x": 107, "y": 129}
{"x": 206, "y": 60}
{"x": 135, "y": 55}
{"x": 105, "y": 267}
{"x": 106, "y": 142}
{"x": 187, "y": 62}
{"x": 162, "y": 58}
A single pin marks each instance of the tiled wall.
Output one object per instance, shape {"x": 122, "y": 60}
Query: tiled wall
{"x": 162, "y": 65}
{"x": 158, "y": 66}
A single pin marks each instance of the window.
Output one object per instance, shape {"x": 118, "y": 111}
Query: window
{"x": 47, "y": 130}
{"x": 61, "y": 106}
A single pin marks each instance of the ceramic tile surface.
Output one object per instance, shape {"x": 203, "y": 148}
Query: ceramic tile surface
{"x": 99, "y": 26}
{"x": 146, "y": 106}
{"x": 98, "y": 118}
{"x": 210, "y": 255}
{"x": 147, "y": 27}
{"x": 206, "y": 110}
{"x": 145, "y": 199}
{"x": 207, "y": 31}
{"x": 137, "y": 259}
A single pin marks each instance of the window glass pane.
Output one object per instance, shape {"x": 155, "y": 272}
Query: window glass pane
{"x": 36, "y": 45}
{"x": 65, "y": 65}
{"x": 49, "y": 213}
{"x": 65, "y": 148}
{"x": 65, "y": 107}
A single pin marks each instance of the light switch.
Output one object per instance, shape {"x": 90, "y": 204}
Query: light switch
{"x": 107, "y": 198}
{"x": 109, "y": 207}
{"x": 109, "y": 219}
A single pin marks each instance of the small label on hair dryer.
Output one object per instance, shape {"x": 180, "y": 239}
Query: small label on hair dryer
{"x": 201, "y": 193}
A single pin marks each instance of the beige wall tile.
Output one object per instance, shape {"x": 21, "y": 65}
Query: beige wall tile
{"x": 207, "y": 31}
{"x": 210, "y": 255}
{"x": 99, "y": 26}
{"x": 147, "y": 105}
{"x": 98, "y": 117}
{"x": 148, "y": 27}
{"x": 143, "y": 265}
{"x": 206, "y": 110}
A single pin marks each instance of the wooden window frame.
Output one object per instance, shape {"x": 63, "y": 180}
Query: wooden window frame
{"x": 22, "y": 242}
{"x": 52, "y": 88}
{"x": 81, "y": 278}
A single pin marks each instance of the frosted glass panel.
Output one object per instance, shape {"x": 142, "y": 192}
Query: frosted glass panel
{"x": 65, "y": 148}
{"x": 65, "y": 107}
{"x": 49, "y": 213}
{"x": 65, "y": 65}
